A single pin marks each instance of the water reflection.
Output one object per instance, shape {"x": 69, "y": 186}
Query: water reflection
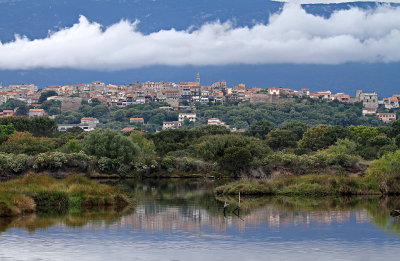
{"x": 190, "y": 205}
{"x": 183, "y": 220}
{"x": 95, "y": 217}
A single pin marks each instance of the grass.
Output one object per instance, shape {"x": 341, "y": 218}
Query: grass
{"x": 41, "y": 193}
{"x": 307, "y": 185}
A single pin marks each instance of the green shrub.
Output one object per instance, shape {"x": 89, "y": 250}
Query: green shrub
{"x": 105, "y": 164}
{"x": 168, "y": 163}
{"x": 50, "y": 161}
{"x": 146, "y": 165}
{"x": 111, "y": 144}
{"x": 79, "y": 161}
{"x": 13, "y": 163}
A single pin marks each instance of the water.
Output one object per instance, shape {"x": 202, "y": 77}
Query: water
{"x": 182, "y": 220}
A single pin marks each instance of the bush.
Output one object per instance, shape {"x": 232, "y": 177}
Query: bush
{"x": 213, "y": 148}
{"x": 11, "y": 163}
{"x": 389, "y": 165}
{"x": 236, "y": 159}
{"x": 111, "y": 144}
{"x": 26, "y": 143}
{"x": 73, "y": 146}
{"x": 50, "y": 161}
{"x": 318, "y": 162}
{"x": 146, "y": 165}
{"x": 17, "y": 163}
{"x": 79, "y": 161}
{"x": 168, "y": 163}
{"x": 105, "y": 164}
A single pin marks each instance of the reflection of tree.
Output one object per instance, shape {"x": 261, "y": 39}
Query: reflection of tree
{"x": 75, "y": 218}
{"x": 188, "y": 197}
{"x": 325, "y": 209}
{"x": 190, "y": 205}
{"x": 381, "y": 214}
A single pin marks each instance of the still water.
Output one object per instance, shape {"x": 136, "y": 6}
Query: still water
{"x": 182, "y": 220}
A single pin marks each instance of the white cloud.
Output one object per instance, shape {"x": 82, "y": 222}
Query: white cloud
{"x": 291, "y": 36}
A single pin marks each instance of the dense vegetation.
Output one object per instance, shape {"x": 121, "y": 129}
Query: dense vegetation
{"x": 237, "y": 115}
{"x": 295, "y": 147}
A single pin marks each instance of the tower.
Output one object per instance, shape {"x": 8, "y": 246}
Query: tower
{"x": 358, "y": 95}
{"x": 198, "y": 79}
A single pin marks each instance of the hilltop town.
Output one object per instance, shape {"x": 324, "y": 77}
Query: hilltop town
{"x": 29, "y": 101}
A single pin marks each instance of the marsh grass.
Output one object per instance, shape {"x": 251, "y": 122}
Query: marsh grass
{"x": 307, "y": 185}
{"x": 41, "y": 193}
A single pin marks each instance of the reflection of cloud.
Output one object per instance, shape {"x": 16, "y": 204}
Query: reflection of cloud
{"x": 292, "y": 36}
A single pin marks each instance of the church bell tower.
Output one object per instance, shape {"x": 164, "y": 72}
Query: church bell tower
{"x": 198, "y": 79}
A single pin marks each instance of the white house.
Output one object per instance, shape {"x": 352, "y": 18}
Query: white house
{"x": 171, "y": 125}
{"x": 190, "y": 116}
{"x": 215, "y": 121}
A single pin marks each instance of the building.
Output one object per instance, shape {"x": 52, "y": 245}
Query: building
{"x": 306, "y": 92}
{"x": 386, "y": 117}
{"x": 87, "y": 124}
{"x": 33, "y": 113}
{"x": 215, "y": 121}
{"x": 190, "y": 116}
{"x": 369, "y": 100}
{"x": 342, "y": 97}
{"x": 274, "y": 91}
{"x": 136, "y": 120}
{"x": 391, "y": 102}
{"x": 324, "y": 95}
{"x": 218, "y": 86}
{"x": 6, "y": 113}
{"x": 369, "y": 111}
{"x": 167, "y": 125}
{"x": 198, "y": 79}
{"x": 90, "y": 122}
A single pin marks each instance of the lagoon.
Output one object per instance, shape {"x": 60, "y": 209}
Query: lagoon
{"x": 183, "y": 220}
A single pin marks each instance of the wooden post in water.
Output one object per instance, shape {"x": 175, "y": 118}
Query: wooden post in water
{"x": 225, "y": 206}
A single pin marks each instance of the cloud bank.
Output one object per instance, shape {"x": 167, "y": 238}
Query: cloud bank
{"x": 291, "y": 36}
